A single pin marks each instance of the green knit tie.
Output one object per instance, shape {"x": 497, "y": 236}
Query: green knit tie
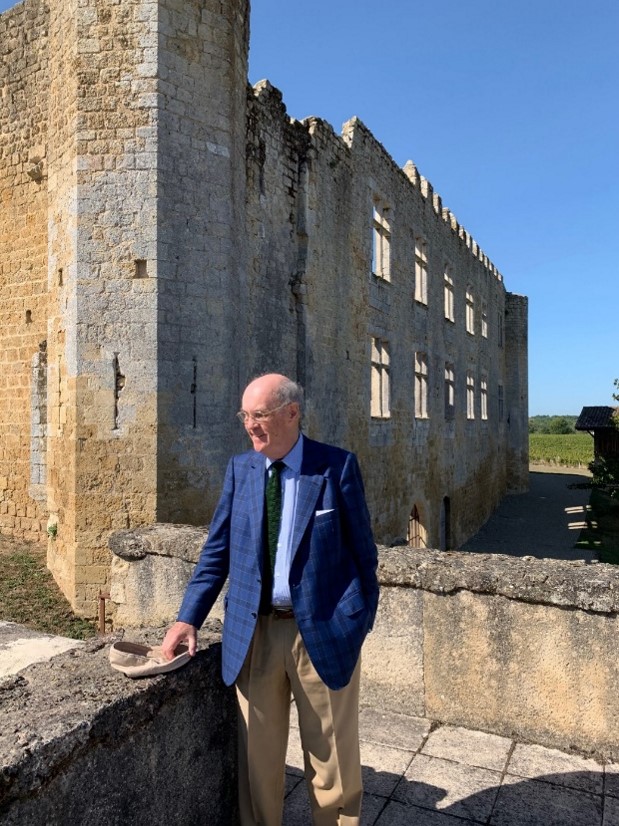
{"x": 274, "y": 508}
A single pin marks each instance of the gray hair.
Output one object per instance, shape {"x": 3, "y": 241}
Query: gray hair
{"x": 289, "y": 392}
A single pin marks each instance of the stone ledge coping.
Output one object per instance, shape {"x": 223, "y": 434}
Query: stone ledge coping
{"x": 161, "y": 539}
{"x": 568, "y": 584}
{"x": 55, "y": 711}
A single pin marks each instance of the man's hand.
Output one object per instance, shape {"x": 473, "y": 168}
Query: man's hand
{"x": 179, "y": 632}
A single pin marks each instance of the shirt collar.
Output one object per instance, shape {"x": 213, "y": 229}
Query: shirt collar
{"x": 293, "y": 458}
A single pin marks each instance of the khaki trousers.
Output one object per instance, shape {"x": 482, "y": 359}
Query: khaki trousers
{"x": 276, "y": 665}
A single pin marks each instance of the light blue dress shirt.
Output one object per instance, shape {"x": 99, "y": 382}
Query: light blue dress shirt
{"x": 290, "y": 475}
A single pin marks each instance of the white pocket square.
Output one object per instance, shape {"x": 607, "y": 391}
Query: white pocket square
{"x": 322, "y": 513}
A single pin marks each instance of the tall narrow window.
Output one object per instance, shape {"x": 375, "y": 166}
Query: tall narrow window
{"x": 470, "y": 395}
{"x": 38, "y": 424}
{"x": 379, "y": 402}
{"x": 421, "y": 271}
{"x": 483, "y": 397}
{"x": 450, "y": 391}
{"x": 484, "y": 319}
{"x": 501, "y": 403}
{"x": 421, "y": 386}
{"x": 416, "y": 535}
{"x": 381, "y": 241}
{"x": 449, "y": 295}
{"x": 470, "y": 312}
{"x": 500, "y": 328}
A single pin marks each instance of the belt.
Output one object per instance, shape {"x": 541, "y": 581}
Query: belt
{"x": 282, "y": 613}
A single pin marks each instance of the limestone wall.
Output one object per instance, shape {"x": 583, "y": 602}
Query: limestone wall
{"x": 102, "y": 347}
{"x": 519, "y": 647}
{"x": 81, "y": 743}
{"x": 315, "y": 307}
{"x": 525, "y": 648}
{"x": 202, "y": 336}
{"x": 167, "y": 233}
{"x": 24, "y": 89}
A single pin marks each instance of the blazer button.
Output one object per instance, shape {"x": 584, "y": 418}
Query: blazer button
{"x": 254, "y": 614}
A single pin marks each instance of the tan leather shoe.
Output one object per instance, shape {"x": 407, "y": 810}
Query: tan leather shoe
{"x": 137, "y": 660}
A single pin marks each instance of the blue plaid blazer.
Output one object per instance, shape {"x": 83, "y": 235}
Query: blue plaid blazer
{"x": 333, "y": 575}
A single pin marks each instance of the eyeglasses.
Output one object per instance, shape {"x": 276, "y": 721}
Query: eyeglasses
{"x": 259, "y": 415}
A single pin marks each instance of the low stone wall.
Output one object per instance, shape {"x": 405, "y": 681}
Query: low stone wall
{"x": 81, "y": 743}
{"x": 518, "y": 646}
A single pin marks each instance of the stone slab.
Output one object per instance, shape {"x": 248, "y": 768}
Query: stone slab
{"x": 382, "y": 767}
{"x": 398, "y": 814}
{"x": 611, "y": 812}
{"x": 611, "y": 779}
{"x": 21, "y": 647}
{"x": 557, "y": 767}
{"x": 474, "y": 748}
{"x": 464, "y": 791}
{"x": 534, "y": 803}
{"x": 393, "y": 729}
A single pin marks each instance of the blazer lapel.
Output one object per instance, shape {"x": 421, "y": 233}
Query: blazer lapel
{"x": 256, "y": 501}
{"x": 311, "y": 482}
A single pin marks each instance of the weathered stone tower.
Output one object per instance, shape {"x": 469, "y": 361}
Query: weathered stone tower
{"x": 166, "y": 233}
{"x": 130, "y": 201}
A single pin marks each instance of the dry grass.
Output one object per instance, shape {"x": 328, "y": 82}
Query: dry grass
{"x": 29, "y": 595}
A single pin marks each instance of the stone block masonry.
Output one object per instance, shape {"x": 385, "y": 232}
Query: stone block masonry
{"x": 519, "y": 647}
{"x": 167, "y": 233}
{"x": 24, "y": 90}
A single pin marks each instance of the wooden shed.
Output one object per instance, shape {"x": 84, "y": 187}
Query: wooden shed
{"x": 603, "y": 424}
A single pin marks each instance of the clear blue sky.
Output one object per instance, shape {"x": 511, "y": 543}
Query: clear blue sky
{"x": 510, "y": 110}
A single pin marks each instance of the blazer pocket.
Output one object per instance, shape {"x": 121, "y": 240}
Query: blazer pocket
{"x": 353, "y": 604}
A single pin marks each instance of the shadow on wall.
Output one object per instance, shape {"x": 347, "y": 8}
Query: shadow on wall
{"x": 569, "y": 799}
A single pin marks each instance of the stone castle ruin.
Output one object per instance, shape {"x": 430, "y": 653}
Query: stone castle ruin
{"x": 167, "y": 233}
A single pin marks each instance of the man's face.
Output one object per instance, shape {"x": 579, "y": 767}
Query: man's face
{"x": 276, "y": 433}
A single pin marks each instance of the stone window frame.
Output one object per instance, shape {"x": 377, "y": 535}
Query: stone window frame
{"x": 483, "y": 398}
{"x": 450, "y": 390}
{"x": 449, "y": 296}
{"x": 484, "y": 319}
{"x": 500, "y": 328}
{"x": 380, "y": 382}
{"x": 470, "y": 311}
{"x": 421, "y": 385}
{"x": 381, "y": 239}
{"x": 470, "y": 395}
{"x": 501, "y": 402}
{"x": 421, "y": 270}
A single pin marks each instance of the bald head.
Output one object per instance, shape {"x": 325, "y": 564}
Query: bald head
{"x": 276, "y": 400}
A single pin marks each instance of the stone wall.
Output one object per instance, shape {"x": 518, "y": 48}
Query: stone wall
{"x": 525, "y": 647}
{"x": 24, "y": 90}
{"x": 170, "y": 233}
{"x": 81, "y": 743}
{"x": 519, "y": 647}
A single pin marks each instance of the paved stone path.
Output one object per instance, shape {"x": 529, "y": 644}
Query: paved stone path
{"x": 421, "y": 774}
{"x": 545, "y": 522}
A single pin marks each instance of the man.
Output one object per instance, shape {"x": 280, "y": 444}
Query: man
{"x": 292, "y": 531}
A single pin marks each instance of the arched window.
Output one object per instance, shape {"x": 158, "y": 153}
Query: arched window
{"x": 416, "y": 535}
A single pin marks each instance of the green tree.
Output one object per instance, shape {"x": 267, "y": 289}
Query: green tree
{"x": 560, "y": 425}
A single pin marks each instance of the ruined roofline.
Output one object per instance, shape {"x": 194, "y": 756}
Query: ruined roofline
{"x": 263, "y": 90}
{"x": 426, "y": 190}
